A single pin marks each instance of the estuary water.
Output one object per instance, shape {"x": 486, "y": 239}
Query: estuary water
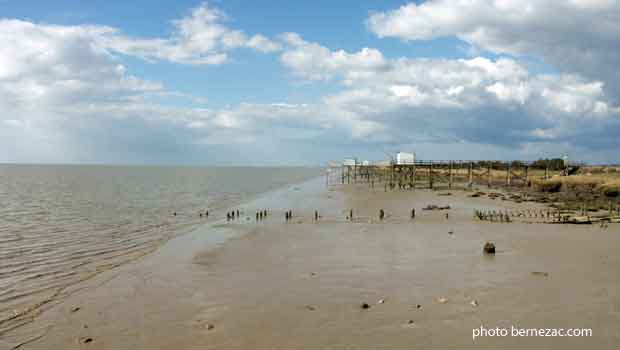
{"x": 61, "y": 224}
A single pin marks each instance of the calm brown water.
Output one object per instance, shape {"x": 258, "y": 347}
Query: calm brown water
{"x": 62, "y": 224}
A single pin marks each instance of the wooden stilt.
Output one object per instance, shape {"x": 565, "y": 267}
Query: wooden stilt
{"x": 508, "y": 173}
{"x": 450, "y": 176}
{"x": 430, "y": 175}
{"x": 489, "y": 175}
{"x": 526, "y": 182}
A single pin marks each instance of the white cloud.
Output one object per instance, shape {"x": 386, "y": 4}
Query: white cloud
{"x": 202, "y": 38}
{"x": 575, "y": 36}
{"x": 518, "y": 92}
{"x": 462, "y": 100}
{"x": 65, "y": 97}
{"x": 263, "y": 44}
{"x": 54, "y": 66}
{"x": 315, "y": 62}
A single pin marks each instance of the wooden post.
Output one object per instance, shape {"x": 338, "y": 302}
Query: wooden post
{"x": 348, "y": 174}
{"x": 508, "y": 171}
{"x": 470, "y": 174}
{"x": 489, "y": 175}
{"x": 327, "y": 177}
{"x": 414, "y": 174}
{"x": 430, "y": 174}
{"x": 450, "y": 176}
{"x": 526, "y": 179}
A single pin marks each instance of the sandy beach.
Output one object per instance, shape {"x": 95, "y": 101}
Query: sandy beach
{"x": 301, "y": 284}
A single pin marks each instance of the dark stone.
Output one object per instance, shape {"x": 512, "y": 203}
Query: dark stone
{"x": 489, "y": 248}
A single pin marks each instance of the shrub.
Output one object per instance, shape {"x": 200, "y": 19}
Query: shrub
{"x": 550, "y": 186}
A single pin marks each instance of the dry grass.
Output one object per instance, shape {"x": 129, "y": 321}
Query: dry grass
{"x": 605, "y": 183}
{"x": 590, "y": 179}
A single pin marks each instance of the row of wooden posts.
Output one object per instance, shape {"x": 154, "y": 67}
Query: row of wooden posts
{"x": 481, "y": 214}
{"x": 288, "y": 215}
{"x": 508, "y": 215}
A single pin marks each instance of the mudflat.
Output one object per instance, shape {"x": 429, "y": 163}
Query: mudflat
{"x": 302, "y": 284}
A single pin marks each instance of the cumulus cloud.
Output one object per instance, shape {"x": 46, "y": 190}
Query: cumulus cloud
{"x": 51, "y": 67}
{"x": 315, "y": 62}
{"x": 575, "y": 36}
{"x": 65, "y": 97}
{"x": 476, "y": 100}
{"x": 202, "y": 38}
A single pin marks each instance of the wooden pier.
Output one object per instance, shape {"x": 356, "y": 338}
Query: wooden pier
{"x": 441, "y": 174}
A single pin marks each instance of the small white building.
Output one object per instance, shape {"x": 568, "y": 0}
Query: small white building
{"x": 405, "y": 158}
{"x": 349, "y": 162}
{"x": 365, "y": 163}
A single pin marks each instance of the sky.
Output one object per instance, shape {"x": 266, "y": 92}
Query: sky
{"x": 304, "y": 82}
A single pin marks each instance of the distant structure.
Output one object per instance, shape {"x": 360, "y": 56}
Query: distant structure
{"x": 403, "y": 158}
{"x": 349, "y": 162}
{"x": 405, "y": 171}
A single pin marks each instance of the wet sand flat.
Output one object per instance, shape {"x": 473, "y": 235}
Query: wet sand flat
{"x": 62, "y": 224}
{"x": 300, "y": 285}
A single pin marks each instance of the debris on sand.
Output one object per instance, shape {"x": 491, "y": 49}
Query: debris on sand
{"x": 365, "y": 306}
{"x": 76, "y": 309}
{"x": 477, "y": 194}
{"x": 86, "y": 340}
{"x": 381, "y": 301}
{"x": 436, "y": 207}
{"x": 474, "y": 303}
{"x": 310, "y": 307}
{"x": 418, "y": 306}
{"x": 580, "y": 220}
{"x": 444, "y": 194}
{"x": 540, "y": 273}
{"x": 515, "y": 197}
{"x": 441, "y": 300}
{"x": 210, "y": 326}
{"x": 489, "y": 248}
{"x": 410, "y": 324}
{"x": 450, "y": 232}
